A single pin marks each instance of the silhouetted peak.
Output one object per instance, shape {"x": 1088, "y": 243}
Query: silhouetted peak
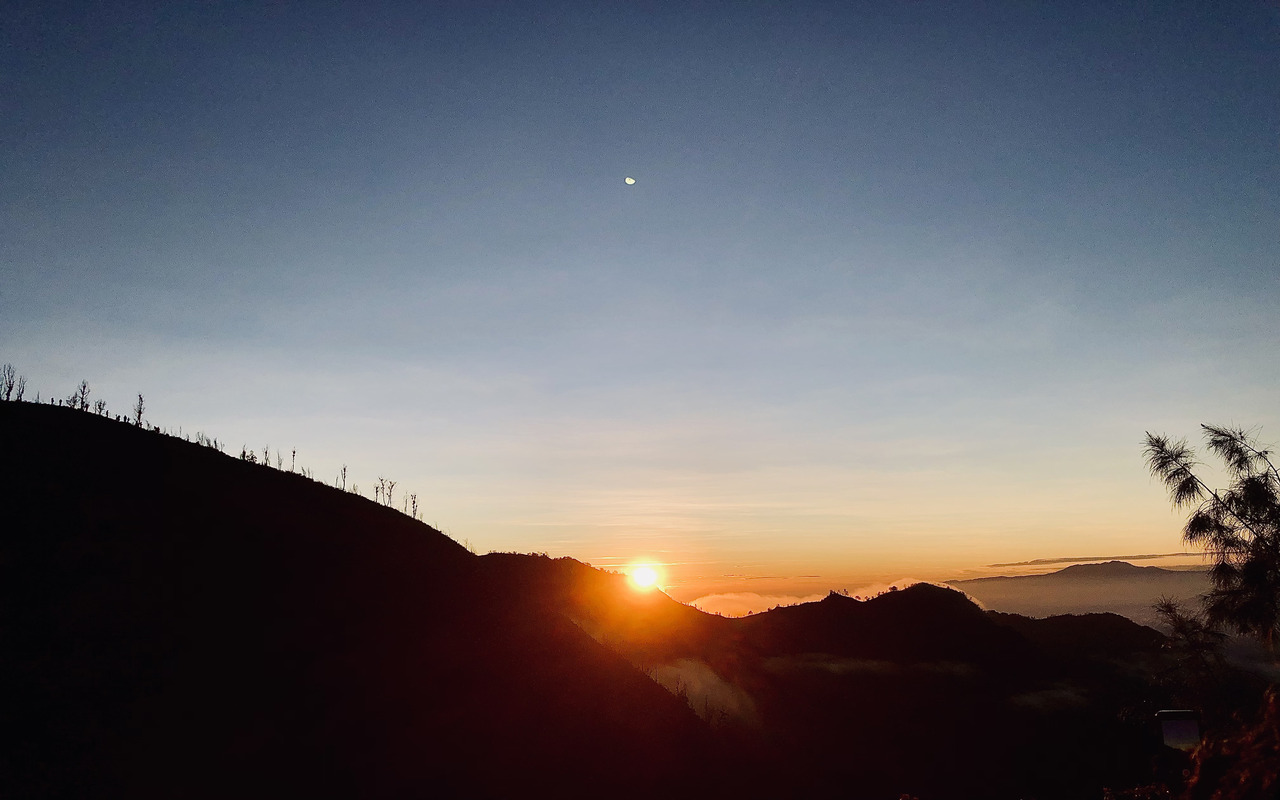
{"x": 1108, "y": 569}
{"x": 926, "y": 598}
{"x": 934, "y": 590}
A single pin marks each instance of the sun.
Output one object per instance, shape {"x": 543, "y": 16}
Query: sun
{"x": 643, "y": 577}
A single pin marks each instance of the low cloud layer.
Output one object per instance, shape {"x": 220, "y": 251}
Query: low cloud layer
{"x": 872, "y": 589}
{"x": 711, "y": 697}
{"x": 739, "y": 604}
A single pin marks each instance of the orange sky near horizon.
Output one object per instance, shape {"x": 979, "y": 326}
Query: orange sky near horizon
{"x": 734, "y": 595}
{"x": 753, "y": 541}
{"x": 798, "y": 532}
{"x": 738, "y": 588}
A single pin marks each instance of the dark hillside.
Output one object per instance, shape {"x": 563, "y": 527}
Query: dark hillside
{"x": 940, "y": 698}
{"x": 647, "y": 626}
{"x": 180, "y": 622}
{"x": 915, "y": 691}
{"x": 1086, "y": 635}
{"x": 177, "y": 622}
{"x": 920, "y": 623}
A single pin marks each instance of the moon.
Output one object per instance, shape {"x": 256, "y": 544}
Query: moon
{"x": 629, "y": 180}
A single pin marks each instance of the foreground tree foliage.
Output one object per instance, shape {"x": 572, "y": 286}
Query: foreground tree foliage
{"x": 1239, "y": 524}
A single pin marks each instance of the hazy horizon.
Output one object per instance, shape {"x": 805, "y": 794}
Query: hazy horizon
{"x": 895, "y": 294}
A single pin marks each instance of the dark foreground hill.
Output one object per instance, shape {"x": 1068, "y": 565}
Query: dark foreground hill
{"x": 177, "y": 622}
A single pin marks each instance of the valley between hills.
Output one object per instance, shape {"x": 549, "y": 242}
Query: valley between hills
{"x": 180, "y": 622}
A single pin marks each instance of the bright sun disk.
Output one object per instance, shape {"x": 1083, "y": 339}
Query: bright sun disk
{"x": 644, "y": 577}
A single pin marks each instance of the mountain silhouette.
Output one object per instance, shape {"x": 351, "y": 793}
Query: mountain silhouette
{"x": 1116, "y": 587}
{"x": 1109, "y": 569}
{"x": 178, "y": 622}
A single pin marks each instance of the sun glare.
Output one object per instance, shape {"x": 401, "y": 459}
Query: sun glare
{"x": 643, "y": 577}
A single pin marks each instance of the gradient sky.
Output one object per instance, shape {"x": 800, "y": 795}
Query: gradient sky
{"x": 897, "y": 291}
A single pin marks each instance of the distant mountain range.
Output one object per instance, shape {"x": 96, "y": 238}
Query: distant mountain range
{"x": 1116, "y": 587}
{"x": 175, "y": 621}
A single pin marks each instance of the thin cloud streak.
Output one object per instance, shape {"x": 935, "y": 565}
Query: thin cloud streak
{"x": 1071, "y": 560}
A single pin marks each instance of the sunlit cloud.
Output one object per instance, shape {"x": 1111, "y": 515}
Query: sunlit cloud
{"x": 738, "y": 604}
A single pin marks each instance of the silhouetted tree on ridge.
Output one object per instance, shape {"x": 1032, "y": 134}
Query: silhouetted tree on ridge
{"x": 79, "y": 399}
{"x": 1238, "y": 525}
{"x": 11, "y": 381}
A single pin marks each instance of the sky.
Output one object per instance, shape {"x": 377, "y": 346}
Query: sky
{"x": 895, "y": 294}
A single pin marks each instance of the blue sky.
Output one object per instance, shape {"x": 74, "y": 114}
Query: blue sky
{"x": 897, "y": 290}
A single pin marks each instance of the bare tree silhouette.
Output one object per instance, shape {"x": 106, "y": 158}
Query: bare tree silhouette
{"x": 79, "y": 399}
{"x": 8, "y": 380}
